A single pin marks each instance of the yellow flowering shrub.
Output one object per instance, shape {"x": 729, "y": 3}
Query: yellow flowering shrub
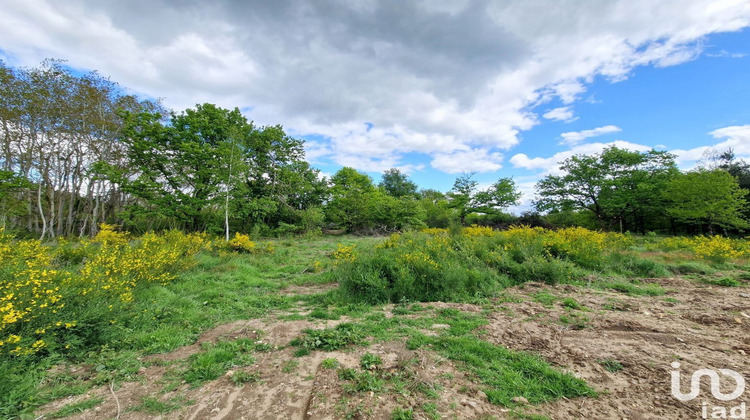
{"x": 242, "y": 243}
{"x": 435, "y": 231}
{"x": 34, "y": 291}
{"x": 713, "y": 248}
{"x": 719, "y": 248}
{"x": 344, "y": 253}
{"x": 475, "y": 230}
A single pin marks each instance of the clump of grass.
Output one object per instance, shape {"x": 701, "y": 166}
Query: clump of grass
{"x": 634, "y": 266}
{"x": 370, "y": 361}
{"x": 634, "y": 289}
{"x": 329, "y": 363}
{"x": 77, "y": 407}
{"x": 691, "y": 267}
{"x": 611, "y": 365}
{"x": 329, "y": 339}
{"x": 575, "y": 320}
{"x": 290, "y": 366}
{"x": 217, "y": 358}
{"x": 241, "y": 377}
{"x": 496, "y": 367}
{"x": 152, "y": 405}
{"x": 571, "y": 303}
{"x": 402, "y": 414}
{"x": 725, "y": 282}
{"x": 545, "y": 298}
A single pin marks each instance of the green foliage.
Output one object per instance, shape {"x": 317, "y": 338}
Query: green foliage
{"x": 711, "y": 197}
{"x": 466, "y": 199}
{"x": 615, "y": 184}
{"x": 497, "y": 367}
{"x": 77, "y": 407}
{"x": 370, "y": 361}
{"x": 217, "y": 359}
{"x": 612, "y": 365}
{"x": 330, "y": 339}
{"x": 402, "y": 414}
{"x": 397, "y": 184}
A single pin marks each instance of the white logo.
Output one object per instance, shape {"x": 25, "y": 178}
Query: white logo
{"x": 715, "y": 412}
{"x": 715, "y": 381}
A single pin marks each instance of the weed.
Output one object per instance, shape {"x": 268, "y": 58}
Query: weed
{"x": 290, "y": 366}
{"x": 402, "y": 414}
{"x": 545, "y": 298}
{"x": 329, "y": 339}
{"x": 329, "y": 363}
{"x": 611, "y": 365}
{"x": 370, "y": 361}
{"x": 241, "y": 377}
{"x": 571, "y": 303}
{"x": 725, "y": 282}
{"x": 77, "y": 407}
{"x": 217, "y": 359}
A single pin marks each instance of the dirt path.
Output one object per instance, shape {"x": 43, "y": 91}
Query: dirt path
{"x": 700, "y": 326}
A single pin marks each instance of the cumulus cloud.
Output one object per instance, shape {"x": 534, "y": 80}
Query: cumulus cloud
{"x": 474, "y": 160}
{"x": 736, "y": 137}
{"x": 444, "y": 79}
{"x": 550, "y": 165}
{"x": 575, "y": 137}
{"x": 564, "y": 114}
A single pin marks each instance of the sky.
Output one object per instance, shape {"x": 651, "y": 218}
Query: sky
{"x": 436, "y": 89}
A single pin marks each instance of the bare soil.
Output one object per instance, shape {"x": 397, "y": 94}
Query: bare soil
{"x": 699, "y": 325}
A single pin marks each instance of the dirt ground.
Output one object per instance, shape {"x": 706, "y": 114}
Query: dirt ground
{"x": 699, "y": 325}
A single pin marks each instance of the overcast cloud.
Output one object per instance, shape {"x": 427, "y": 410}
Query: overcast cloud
{"x": 457, "y": 81}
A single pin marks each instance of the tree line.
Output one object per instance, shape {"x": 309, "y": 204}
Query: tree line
{"x": 78, "y": 150}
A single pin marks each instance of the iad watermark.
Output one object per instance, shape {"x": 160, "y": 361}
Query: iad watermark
{"x": 717, "y": 411}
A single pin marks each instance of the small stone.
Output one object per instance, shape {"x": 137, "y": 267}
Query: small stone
{"x": 742, "y": 352}
{"x": 737, "y": 320}
{"x": 519, "y": 400}
{"x": 229, "y": 373}
{"x": 744, "y": 295}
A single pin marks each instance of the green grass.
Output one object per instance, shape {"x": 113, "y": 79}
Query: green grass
{"x": 633, "y": 288}
{"x": 77, "y": 407}
{"x": 218, "y": 358}
{"x": 611, "y": 365}
{"x": 153, "y": 405}
{"x": 224, "y": 288}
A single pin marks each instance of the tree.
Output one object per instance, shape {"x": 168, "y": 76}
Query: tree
{"x": 182, "y": 168}
{"x": 397, "y": 184}
{"x": 466, "y": 199}
{"x": 351, "y": 192}
{"x": 618, "y": 186}
{"x": 706, "y": 197}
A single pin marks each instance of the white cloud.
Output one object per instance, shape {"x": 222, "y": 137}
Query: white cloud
{"x": 737, "y": 138}
{"x": 564, "y": 114}
{"x": 550, "y": 165}
{"x": 474, "y": 160}
{"x": 399, "y": 65}
{"x": 726, "y": 54}
{"x": 575, "y": 137}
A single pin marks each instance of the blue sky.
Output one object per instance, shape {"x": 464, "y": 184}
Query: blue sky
{"x": 433, "y": 88}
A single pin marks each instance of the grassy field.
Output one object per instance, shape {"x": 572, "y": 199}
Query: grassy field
{"x": 331, "y": 309}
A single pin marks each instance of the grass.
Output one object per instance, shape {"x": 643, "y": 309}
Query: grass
{"x": 216, "y": 359}
{"x": 221, "y": 288}
{"x": 611, "y": 365}
{"x": 77, "y": 407}
{"x": 153, "y": 405}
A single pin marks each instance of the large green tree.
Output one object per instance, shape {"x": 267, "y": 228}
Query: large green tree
{"x": 621, "y": 188}
{"x": 466, "y": 199}
{"x": 397, "y": 184}
{"x": 707, "y": 197}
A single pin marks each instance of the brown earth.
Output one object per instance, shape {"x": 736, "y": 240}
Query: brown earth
{"x": 699, "y": 325}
